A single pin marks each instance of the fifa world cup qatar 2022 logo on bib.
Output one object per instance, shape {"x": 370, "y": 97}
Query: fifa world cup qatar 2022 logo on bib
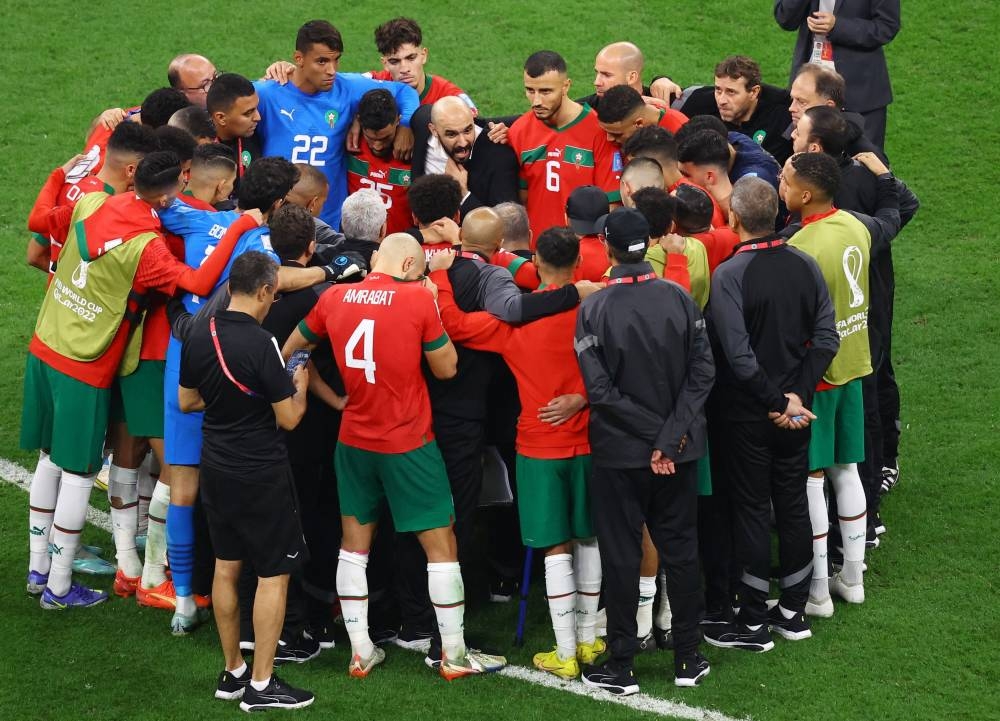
{"x": 854, "y": 263}
{"x": 79, "y": 278}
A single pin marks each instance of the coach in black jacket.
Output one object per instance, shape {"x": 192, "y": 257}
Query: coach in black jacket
{"x": 647, "y": 365}
{"x": 771, "y": 323}
{"x": 448, "y": 140}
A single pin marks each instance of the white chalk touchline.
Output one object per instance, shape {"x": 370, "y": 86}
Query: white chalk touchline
{"x": 17, "y": 475}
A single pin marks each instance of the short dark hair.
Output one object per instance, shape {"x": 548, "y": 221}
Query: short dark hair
{"x": 755, "y": 202}
{"x": 265, "y": 182}
{"x": 829, "y": 83}
{"x": 693, "y": 209}
{"x": 701, "y": 122}
{"x": 318, "y": 32}
{"x": 251, "y": 271}
{"x": 225, "y": 90}
{"x": 178, "y": 141}
{"x": 292, "y": 230}
{"x": 544, "y": 61}
{"x": 377, "y": 109}
{"x": 558, "y": 247}
{"x": 819, "y": 171}
{"x": 133, "y": 138}
{"x": 651, "y": 141}
{"x": 829, "y": 128}
{"x": 158, "y": 171}
{"x": 196, "y": 120}
{"x": 433, "y": 197}
{"x": 393, "y": 34}
{"x": 658, "y": 208}
{"x": 736, "y": 67}
{"x": 618, "y": 103}
{"x": 705, "y": 147}
{"x": 214, "y": 156}
{"x": 160, "y": 104}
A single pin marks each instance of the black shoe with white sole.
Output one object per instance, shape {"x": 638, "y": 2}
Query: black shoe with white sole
{"x": 738, "y": 635}
{"x": 689, "y": 671}
{"x": 230, "y": 687}
{"x": 296, "y": 649}
{"x": 619, "y": 680}
{"x": 278, "y": 694}
{"x": 795, "y": 628}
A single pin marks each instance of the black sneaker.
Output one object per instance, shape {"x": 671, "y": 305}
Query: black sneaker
{"x": 413, "y": 639}
{"x": 383, "y": 636}
{"x": 878, "y": 524}
{"x": 664, "y": 639}
{"x": 296, "y": 649}
{"x": 890, "y": 477}
{"x": 689, "y": 671}
{"x": 647, "y": 644}
{"x": 323, "y": 633}
{"x": 795, "y": 628}
{"x": 619, "y": 680}
{"x": 231, "y": 687}
{"x": 716, "y": 618}
{"x": 278, "y": 694}
{"x": 502, "y": 590}
{"x": 738, "y": 635}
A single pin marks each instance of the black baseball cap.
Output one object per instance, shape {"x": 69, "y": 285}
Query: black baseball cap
{"x": 626, "y": 229}
{"x": 586, "y": 206}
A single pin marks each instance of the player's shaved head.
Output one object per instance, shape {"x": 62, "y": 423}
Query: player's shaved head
{"x": 400, "y": 256}
{"x": 192, "y": 74}
{"x": 619, "y": 63}
{"x": 643, "y": 173}
{"x": 451, "y": 110}
{"x": 627, "y": 54}
{"x": 482, "y": 230}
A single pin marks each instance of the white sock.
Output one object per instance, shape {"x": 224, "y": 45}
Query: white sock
{"x": 587, "y": 571}
{"x": 186, "y": 605}
{"x": 147, "y": 482}
{"x": 644, "y": 615}
{"x": 852, "y": 512}
{"x": 447, "y": 592}
{"x": 41, "y": 508}
{"x": 352, "y": 587}
{"x": 785, "y": 613}
{"x": 819, "y": 589}
{"x": 71, "y": 510}
{"x": 154, "y": 569}
{"x": 123, "y": 484}
{"x": 663, "y": 615}
{"x": 238, "y": 672}
{"x": 560, "y": 592}
{"x": 260, "y": 685}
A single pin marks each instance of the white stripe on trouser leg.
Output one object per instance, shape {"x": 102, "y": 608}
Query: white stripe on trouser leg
{"x": 71, "y": 510}
{"x": 587, "y": 571}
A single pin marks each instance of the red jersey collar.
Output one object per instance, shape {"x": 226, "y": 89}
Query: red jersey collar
{"x": 818, "y": 216}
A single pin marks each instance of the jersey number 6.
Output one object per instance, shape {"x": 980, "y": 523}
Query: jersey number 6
{"x": 364, "y": 335}
{"x": 552, "y": 176}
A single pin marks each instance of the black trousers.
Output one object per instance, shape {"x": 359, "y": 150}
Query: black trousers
{"x": 715, "y": 523}
{"x": 461, "y": 445}
{"x": 768, "y": 466}
{"x": 875, "y": 126}
{"x": 622, "y": 500}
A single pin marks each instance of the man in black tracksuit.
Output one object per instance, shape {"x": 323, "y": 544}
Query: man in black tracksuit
{"x": 771, "y": 324}
{"x": 647, "y": 366}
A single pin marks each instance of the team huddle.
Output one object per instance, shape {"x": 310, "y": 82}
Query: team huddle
{"x": 334, "y": 329}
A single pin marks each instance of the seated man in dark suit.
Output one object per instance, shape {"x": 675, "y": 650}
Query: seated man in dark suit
{"x": 448, "y": 140}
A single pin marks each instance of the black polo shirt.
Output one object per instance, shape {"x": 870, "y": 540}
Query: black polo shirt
{"x": 240, "y": 431}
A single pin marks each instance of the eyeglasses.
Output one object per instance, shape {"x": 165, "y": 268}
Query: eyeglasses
{"x": 205, "y": 86}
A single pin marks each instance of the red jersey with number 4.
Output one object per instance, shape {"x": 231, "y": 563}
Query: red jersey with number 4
{"x": 379, "y": 330}
{"x": 435, "y": 88}
{"x": 388, "y": 177}
{"x": 556, "y": 161}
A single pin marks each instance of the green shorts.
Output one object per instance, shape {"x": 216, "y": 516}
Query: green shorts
{"x": 414, "y": 483}
{"x": 838, "y": 433}
{"x": 137, "y": 400}
{"x": 552, "y": 500}
{"x": 67, "y": 417}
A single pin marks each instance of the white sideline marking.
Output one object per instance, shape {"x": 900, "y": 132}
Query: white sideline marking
{"x": 637, "y": 702}
{"x": 17, "y": 475}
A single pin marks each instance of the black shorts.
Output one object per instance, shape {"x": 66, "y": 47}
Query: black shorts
{"x": 254, "y": 517}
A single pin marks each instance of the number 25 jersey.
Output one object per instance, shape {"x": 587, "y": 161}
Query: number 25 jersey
{"x": 379, "y": 330}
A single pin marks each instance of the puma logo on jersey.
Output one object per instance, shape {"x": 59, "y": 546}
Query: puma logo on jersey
{"x": 289, "y": 113}
{"x": 557, "y": 153}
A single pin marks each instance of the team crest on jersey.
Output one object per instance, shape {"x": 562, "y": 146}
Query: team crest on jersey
{"x": 245, "y": 158}
{"x": 331, "y": 117}
{"x": 79, "y": 278}
{"x": 759, "y": 136}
